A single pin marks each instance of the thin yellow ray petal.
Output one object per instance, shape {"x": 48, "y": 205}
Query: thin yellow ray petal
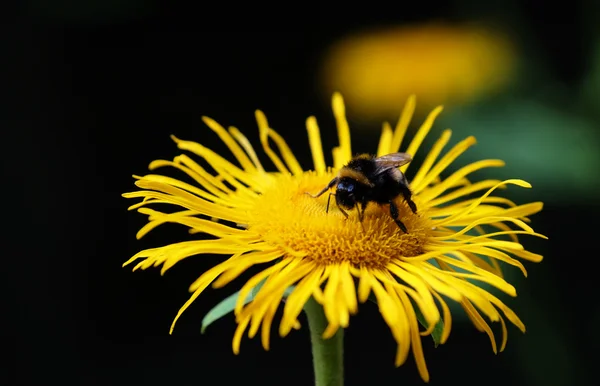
{"x": 243, "y": 141}
{"x": 475, "y": 203}
{"x": 501, "y": 256}
{"x": 432, "y": 280}
{"x": 207, "y": 276}
{"x": 497, "y": 269}
{"x": 339, "y": 111}
{"x": 488, "y": 215}
{"x": 239, "y": 187}
{"x": 145, "y": 201}
{"x": 468, "y": 189}
{"x": 173, "y": 259}
{"x": 265, "y": 332}
{"x": 338, "y": 157}
{"x": 521, "y": 211}
{"x": 293, "y": 271}
{"x": 426, "y": 305}
{"x": 438, "y": 250}
{"x": 329, "y": 294}
{"x": 364, "y": 285}
{"x": 426, "y": 299}
{"x": 421, "y": 134}
{"x": 187, "y": 187}
{"x": 191, "y": 202}
{"x": 226, "y": 172}
{"x": 253, "y": 282}
{"x": 246, "y": 261}
{"x": 206, "y": 226}
{"x": 479, "y": 322}
{"x": 490, "y": 236}
{"x": 387, "y": 307}
{"x": 400, "y": 331}
{"x": 330, "y": 330}
{"x": 503, "y": 227}
{"x": 510, "y": 314}
{"x": 470, "y": 291}
{"x": 480, "y": 275}
{"x": 155, "y": 256}
{"x": 504, "y": 334}
{"x": 489, "y": 212}
{"x": 237, "y": 151}
{"x": 385, "y": 140}
{"x": 318, "y": 295}
{"x": 197, "y": 292}
{"x": 529, "y": 256}
{"x": 202, "y": 178}
{"x": 297, "y": 299}
{"x": 417, "y": 183}
{"x": 486, "y": 220}
{"x": 286, "y": 152}
{"x": 447, "y": 160}
{"x": 417, "y": 349}
{"x": 237, "y": 336}
{"x": 403, "y": 122}
{"x": 479, "y": 262}
{"x": 342, "y": 308}
{"x": 430, "y": 194}
{"x": 447, "y": 318}
{"x": 288, "y": 276}
{"x": 240, "y": 198}
{"x": 259, "y": 314}
{"x": 214, "y": 159}
{"x": 487, "y": 206}
{"x": 213, "y": 184}
{"x": 348, "y": 288}
{"x": 263, "y": 129}
{"x": 316, "y": 148}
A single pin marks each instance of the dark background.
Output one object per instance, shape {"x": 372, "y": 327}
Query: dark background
{"x": 93, "y": 92}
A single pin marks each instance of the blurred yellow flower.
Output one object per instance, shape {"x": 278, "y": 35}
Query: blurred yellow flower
{"x": 377, "y": 70}
{"x": 256, "y": 217}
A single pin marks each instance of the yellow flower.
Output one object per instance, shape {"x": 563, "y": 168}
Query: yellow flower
{"x": 377, "y": 70}
{"x": 255, "y": 217}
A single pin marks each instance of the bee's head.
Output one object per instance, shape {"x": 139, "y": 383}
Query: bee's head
{"x": 345, "y": 194}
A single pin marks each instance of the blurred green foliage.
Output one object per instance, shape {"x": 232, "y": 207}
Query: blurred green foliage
{"x": 556, "y": 151}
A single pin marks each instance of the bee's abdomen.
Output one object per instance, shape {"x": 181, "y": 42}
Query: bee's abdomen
{"x": 385, "y": 188}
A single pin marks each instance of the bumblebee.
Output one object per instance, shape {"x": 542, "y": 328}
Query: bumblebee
{"x": 366, "y": 179}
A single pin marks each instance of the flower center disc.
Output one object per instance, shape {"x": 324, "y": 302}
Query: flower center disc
{"x": 286, "y": 216}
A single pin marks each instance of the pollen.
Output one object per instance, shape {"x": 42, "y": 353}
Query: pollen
{"x": 285, "y": 215}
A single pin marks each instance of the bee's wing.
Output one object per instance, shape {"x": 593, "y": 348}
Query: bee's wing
{"x": 391, "y": 161}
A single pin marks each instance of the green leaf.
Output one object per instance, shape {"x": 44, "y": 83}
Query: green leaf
{"x": 552, "y": 149}
{"x": 227, "y": 305}
{"x": 223, "y": 308}
{"x": 436, "y": 334}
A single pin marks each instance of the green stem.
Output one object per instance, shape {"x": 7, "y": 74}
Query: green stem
{"x": 328, "y": 354}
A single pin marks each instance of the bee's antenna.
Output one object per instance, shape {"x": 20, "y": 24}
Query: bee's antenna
{"x": 329, "y": 186}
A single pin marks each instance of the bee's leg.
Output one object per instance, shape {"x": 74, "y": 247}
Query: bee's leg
{"x": 360, "y": 208}
{"x": 328, "y": 201}
{"x": 343, "y": 211}
{"x": 406, "y": 193}
{"x": 395, "y": 213}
